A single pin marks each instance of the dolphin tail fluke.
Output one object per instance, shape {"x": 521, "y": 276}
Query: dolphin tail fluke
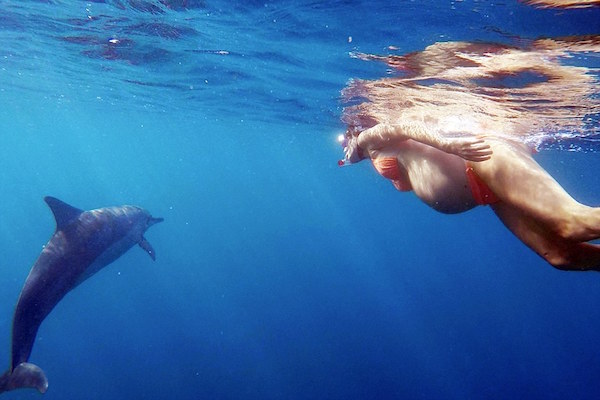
{"x": 25, "y": 375}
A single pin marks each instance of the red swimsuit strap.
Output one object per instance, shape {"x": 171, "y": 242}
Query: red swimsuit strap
{"x": 482, "y": 194}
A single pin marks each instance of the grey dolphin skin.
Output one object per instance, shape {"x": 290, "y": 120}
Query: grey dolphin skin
{"x": 84, "y": 242}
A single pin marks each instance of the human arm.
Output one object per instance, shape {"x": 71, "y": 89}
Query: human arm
{"x": 469, "y": 147}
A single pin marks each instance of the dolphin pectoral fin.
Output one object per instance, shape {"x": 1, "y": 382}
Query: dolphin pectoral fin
{"x": 25, "y": 375}
{"x": 144, "y": 244}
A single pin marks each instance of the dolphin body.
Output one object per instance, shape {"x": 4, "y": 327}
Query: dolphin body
{"x": 84, "y": 242}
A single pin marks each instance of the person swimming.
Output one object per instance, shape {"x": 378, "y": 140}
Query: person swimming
{"x": 562, "y": 3}
{"x": 459, "y": 128}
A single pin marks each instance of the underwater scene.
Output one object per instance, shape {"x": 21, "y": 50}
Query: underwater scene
{"x": 184, "y": 156}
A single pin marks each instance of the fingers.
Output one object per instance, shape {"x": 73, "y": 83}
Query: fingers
{"x": 478, "y": 155}
{"x": 476, "y": 142}
{"x": 476, "y": 149}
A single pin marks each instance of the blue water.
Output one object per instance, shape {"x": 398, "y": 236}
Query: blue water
{"x": 278, "y": 274}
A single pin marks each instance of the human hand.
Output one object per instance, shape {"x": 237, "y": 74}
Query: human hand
{"x": 471, "y": 148}
{"x": 353, "y": 153}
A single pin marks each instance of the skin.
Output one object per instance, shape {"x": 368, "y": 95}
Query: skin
{"x": 532, "y": 205}
{"x": 563, "y": 3}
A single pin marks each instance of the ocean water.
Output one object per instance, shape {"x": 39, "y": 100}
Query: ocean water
{"x": 278, "y": 275}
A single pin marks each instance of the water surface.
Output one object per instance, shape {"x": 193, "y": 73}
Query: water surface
{"x": 278, "y": 274}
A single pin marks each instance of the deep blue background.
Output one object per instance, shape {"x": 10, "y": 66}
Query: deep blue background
{"x": 278, "y": 274}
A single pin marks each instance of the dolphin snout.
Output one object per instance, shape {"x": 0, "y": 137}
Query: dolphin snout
{"x": 152, "y": 221}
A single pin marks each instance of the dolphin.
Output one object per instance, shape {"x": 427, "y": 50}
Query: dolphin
{"x": 84, "y": 242}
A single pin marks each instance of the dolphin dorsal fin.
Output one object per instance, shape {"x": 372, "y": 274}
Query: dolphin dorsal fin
{"x": 63, "y": 213}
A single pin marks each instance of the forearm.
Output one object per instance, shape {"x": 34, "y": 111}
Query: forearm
{"x": 383, "y": 135}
